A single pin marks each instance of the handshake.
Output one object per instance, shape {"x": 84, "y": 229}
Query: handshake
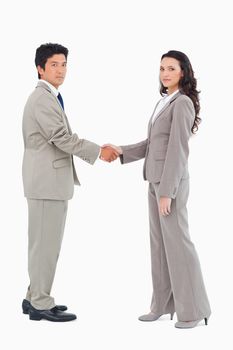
{"x": 110, "y": 152}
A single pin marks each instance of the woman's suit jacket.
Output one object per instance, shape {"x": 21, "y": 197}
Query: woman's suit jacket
{"x": 166, "y": 148}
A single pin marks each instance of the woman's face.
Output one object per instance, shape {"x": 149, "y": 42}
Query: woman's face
{"x": 170, "y": 73}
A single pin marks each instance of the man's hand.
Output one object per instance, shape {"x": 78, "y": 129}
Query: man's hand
{"x": 117, "y": 148}
{"x": 165, "y": 206}
{"x": 108, "y": 153}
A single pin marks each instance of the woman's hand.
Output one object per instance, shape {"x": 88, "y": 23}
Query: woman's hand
{"x": 165, "y": 206}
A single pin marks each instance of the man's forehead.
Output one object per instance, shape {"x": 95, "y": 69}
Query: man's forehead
{"x": 57, "y": 58}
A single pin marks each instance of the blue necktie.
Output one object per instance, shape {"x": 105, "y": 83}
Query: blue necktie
{"x": 61, "y": 100}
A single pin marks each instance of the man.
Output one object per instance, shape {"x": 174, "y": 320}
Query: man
{"x": 49, "y": 176}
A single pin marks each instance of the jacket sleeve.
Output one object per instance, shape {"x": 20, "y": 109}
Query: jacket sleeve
{"x": 133, "y": 152}
{"x": 178, "y": 148}
{"x": 54, "y": 129}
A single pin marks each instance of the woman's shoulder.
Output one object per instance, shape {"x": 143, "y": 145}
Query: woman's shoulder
{"x": 184, "y": 105}
{"x": 182, "y": 98}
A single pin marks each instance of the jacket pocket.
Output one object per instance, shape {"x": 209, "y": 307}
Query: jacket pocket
{"x": 62, "y": 162}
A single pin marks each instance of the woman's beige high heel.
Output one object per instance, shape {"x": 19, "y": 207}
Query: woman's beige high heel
{"x": 189, "y": 324}
{"x": 152, "y": 317}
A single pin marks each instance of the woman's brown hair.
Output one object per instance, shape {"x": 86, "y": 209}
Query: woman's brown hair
{"x": 187, "y": 84}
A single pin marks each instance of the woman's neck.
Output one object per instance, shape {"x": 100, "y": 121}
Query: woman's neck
{"x": 171, "y": 90}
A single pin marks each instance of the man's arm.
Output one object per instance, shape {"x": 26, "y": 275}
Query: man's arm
{"x": 54, "y": 129}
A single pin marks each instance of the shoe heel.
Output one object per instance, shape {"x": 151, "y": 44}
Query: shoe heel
{"x": 25, "y": 312}
{"x": 206, "y": 321}
{"x": 172, "y": 314}
{"x": 34, "y": 317}
{"x": 25, "y": 307}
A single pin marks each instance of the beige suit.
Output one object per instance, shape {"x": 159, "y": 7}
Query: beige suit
{"x": 176, "y": 274}
{"x": 48, "y": 176}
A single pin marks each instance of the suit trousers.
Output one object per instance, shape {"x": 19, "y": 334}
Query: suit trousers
{"x": 177, "y": 280}
{"x": 46, "y": 222}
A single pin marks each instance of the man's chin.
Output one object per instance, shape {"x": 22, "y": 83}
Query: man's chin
{"x": 60, "y": 82}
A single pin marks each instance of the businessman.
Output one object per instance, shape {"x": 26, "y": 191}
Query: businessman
{"x": 49, "y": 177}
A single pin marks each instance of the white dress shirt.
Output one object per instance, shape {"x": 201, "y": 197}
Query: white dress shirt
{"x": 162, "y": 103}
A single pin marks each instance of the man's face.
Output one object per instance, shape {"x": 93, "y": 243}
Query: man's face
{"x": 54, "y": 71}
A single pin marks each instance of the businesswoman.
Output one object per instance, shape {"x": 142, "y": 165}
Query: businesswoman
{"x": 176, "y": 274}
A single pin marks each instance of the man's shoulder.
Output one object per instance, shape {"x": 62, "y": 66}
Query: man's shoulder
{"x": 40, "y": 95}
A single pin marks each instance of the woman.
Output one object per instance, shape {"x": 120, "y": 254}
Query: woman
{"x": 176, "y": 274}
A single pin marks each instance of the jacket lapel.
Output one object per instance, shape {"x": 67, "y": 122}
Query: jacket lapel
{"x": 166, "y": 106}
{"x": 68, "y": 125}
{"x": 45, "y": 86}
{"x": 150, "y": 120}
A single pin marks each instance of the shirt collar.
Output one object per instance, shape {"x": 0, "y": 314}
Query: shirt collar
{"x": 53, "y": 89}
{"x": 168, "y": 97}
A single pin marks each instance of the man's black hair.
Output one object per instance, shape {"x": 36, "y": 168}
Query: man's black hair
{"x": 45, "y": 51}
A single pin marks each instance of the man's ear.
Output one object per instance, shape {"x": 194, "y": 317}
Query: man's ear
{"x": 40, "y": 70}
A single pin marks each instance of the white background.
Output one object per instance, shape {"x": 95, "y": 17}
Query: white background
{"x": 110, "y": 91}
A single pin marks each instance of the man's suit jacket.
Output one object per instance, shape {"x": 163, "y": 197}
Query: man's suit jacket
{"x": 48, "y": 167}
{"x": 166, "y": 148}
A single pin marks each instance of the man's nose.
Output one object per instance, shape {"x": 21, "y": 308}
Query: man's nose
{"x": 60, "y": 69}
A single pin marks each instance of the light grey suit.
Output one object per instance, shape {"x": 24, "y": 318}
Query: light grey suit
{"x": 176, "y": 274}
{"x": 49, "y": 176}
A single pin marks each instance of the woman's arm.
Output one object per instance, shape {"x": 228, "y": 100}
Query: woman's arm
{"x": 133, "y": 152}
{"x": 178, "y": 149}
{"x": 130, "y": 153}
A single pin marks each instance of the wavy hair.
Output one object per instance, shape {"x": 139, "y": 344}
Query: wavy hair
{"x": 187, "y": 83}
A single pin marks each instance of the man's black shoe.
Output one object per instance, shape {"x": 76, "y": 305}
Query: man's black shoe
{"x": 26, "y": 305}
{"x": 53, "y": 315}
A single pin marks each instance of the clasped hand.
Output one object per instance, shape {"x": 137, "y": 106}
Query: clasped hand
{"x": 110, "y": 152}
